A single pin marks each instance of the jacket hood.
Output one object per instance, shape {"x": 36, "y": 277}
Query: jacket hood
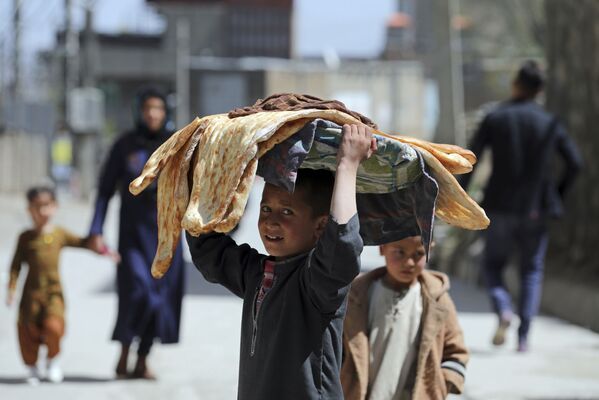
{"x": 435, "y": 282}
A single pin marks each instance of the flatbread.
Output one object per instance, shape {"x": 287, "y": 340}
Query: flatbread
{"x": 226, "y": 148}
{"x": 209, "y": 166}
{"x": 240, "y": 198}
{"x": 454, "y": 158}
{"x": 161, "y": 157}
{"x": 172, "y": 185}
{"x": 453, "y": 205}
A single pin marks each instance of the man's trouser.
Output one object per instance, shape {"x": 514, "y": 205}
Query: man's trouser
{"x": 506, "y": 234}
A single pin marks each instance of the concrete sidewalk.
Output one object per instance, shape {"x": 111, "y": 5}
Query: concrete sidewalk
{"x": 563, "y": 362}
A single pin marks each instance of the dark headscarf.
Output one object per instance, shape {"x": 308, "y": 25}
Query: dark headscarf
{"x": 147, "y": 139}
{"x": 164, "y": 132}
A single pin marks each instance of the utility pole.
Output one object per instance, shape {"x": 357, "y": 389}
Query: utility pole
{"x": 88, "y": 71}
{"x": 15, "y": 88}
{"x": 71, "y": 50}
{"x": 457, "y": 75}
{"x": 88, "y": 139}
{"x": 182, "y": 72}
{"x": 2, "y": 87}
{"x": 2, "y": 66}
{"x": 446, "y": 64}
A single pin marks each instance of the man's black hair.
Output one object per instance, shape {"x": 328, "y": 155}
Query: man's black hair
{"x": 530, "y": 78}
{"x": 316, "y": 187}
{"x": 35, "y": 191}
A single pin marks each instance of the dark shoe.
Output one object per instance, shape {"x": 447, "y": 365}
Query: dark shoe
{"x": 500, "y": 332}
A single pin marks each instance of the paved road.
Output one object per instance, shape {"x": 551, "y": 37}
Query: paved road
{"x": 563, "y": 362}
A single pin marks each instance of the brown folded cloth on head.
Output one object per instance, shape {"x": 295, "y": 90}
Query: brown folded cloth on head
{"x": 296, "y": 102}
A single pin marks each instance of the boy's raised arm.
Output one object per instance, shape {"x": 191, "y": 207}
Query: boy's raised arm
{"x": 336, "y": 259}
{"x": 357, "y": 144}
{"x": 221, "y": 260}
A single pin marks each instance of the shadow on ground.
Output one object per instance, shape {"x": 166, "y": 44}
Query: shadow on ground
{"x": 15, "y": 380}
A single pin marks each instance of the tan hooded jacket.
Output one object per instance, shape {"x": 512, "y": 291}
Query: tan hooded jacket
{"x": 442, "y": 356}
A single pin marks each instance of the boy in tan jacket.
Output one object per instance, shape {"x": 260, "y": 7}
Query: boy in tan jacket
{"x": 402, "y": 339}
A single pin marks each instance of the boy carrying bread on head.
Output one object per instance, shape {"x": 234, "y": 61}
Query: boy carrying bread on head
{"x": 295, "y": 297}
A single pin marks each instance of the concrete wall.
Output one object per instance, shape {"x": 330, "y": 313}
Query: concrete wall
{"x": 23, "y": 161}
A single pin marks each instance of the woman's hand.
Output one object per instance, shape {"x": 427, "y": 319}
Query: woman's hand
{"x": 96, "y": 244}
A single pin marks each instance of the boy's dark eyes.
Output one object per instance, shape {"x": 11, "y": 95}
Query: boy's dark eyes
{"x": 284, "y": 211}
{"x": 403, "y": 254}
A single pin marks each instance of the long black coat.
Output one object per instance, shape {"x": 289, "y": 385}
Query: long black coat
{"x": 143, "y": 300}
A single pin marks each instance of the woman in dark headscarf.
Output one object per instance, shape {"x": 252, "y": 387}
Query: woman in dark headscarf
{"x": 148, "y": 308}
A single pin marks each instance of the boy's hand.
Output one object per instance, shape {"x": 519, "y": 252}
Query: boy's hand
{"x": 357, "y": 144}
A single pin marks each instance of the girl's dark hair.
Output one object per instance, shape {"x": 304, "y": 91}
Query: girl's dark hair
{"x": 316, "y": 187}
{"x": 530, "y": 78}
{"x": 35, "y": 191}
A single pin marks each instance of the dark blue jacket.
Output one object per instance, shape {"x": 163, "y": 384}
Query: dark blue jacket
{"x": 523, "y": 139}
{"x": 292, "y": 348}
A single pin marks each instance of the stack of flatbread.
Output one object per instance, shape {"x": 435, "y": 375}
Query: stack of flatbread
{"x": 207, "y": 169}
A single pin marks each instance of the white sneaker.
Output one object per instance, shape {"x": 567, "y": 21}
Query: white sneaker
{"x": 33, "y": 377}
{"x": 54, "y": 372}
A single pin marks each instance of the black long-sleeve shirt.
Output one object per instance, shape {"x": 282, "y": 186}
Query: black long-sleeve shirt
{"x": 290, "y": 349}
{"x": 523, "y": 138}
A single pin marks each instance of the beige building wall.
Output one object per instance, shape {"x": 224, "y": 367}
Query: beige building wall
{"x": 23, "y": 161}
{"x": 391, "y": 93}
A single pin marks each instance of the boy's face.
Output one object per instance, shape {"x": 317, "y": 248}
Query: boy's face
{"x": 286, "y": 224}
{"x": 42, "y": 208}
{"x": 405, "y": 259}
